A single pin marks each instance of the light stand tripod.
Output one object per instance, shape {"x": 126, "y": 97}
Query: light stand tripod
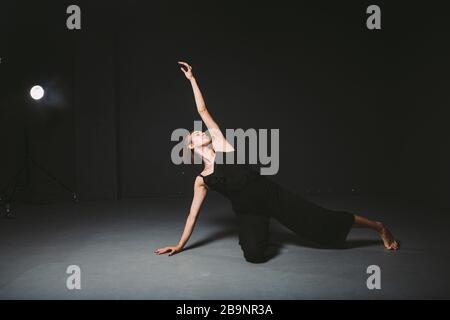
{"x": 26, "y": 168}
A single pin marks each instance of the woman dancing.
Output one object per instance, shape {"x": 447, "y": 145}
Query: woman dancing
{"x": 255, "y": 198}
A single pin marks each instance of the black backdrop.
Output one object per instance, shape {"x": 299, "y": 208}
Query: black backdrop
{"x": 357, "y": 109}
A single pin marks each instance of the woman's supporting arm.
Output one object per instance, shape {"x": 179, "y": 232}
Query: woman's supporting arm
{"x": 200, "y": 191}
{"x": 199, "y": 195}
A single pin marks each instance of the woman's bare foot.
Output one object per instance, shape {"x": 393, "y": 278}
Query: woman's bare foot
{"x": 387, "y": 237}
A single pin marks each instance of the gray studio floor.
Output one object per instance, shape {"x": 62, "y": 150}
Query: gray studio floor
{"x": 113, "y": 243}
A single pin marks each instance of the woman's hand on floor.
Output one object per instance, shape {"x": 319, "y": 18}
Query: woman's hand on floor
{"x": 170, "y": 249}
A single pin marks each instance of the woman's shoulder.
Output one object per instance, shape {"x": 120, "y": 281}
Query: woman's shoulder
{"x": 219, "y": 143}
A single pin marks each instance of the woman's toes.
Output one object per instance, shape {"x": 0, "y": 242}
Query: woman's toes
{"x": 393, "y": 246}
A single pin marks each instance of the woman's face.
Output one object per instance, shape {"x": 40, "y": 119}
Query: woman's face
{"x": 199, "y": 139}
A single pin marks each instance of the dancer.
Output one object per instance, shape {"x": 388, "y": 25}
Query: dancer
{"x": 256, "y": 199}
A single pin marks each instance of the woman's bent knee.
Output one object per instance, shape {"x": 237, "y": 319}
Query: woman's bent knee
{"x": 255, "y": 256}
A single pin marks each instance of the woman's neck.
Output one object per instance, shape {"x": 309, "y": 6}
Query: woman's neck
{"x": 208, "y": 155}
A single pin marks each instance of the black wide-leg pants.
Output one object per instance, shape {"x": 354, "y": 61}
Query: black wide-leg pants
{"x": 311, "y": 222}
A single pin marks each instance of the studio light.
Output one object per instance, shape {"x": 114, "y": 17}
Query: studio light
{"x": 37, "y": 92}
{"x": 21, "y": 181}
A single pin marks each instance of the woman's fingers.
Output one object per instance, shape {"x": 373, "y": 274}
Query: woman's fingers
{"x": 188, "y": 67}
{"x": 182, "y": 69}
{"x": 162, "y": 250}
{"x": 170, "y": 250}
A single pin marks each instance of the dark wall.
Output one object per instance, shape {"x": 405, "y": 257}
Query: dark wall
{"x": 95, "y": 103}
{"x": 356, "y": 109}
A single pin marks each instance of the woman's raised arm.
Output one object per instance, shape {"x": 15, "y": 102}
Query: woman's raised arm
{"x": 218, "y": 140}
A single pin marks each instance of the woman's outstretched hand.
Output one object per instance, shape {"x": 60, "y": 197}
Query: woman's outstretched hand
{"x": 170, "y": 249}
{"x": 187, "y": 70}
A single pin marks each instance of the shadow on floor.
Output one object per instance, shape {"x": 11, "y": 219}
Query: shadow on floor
{"x": 222, "y": 234}
{"x": 228, "y": 229}
{"x": 286, "y": 237}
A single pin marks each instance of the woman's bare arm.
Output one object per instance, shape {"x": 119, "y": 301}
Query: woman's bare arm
{"x": 218, "y": 140}
{"x": 200, "y": 191}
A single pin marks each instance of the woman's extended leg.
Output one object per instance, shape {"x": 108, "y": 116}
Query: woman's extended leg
{"x": 384, "y": 233}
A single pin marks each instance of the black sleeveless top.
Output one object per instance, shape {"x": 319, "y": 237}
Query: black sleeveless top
{"x": 229, "y": 178}
{"x": 240, "y": 183}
